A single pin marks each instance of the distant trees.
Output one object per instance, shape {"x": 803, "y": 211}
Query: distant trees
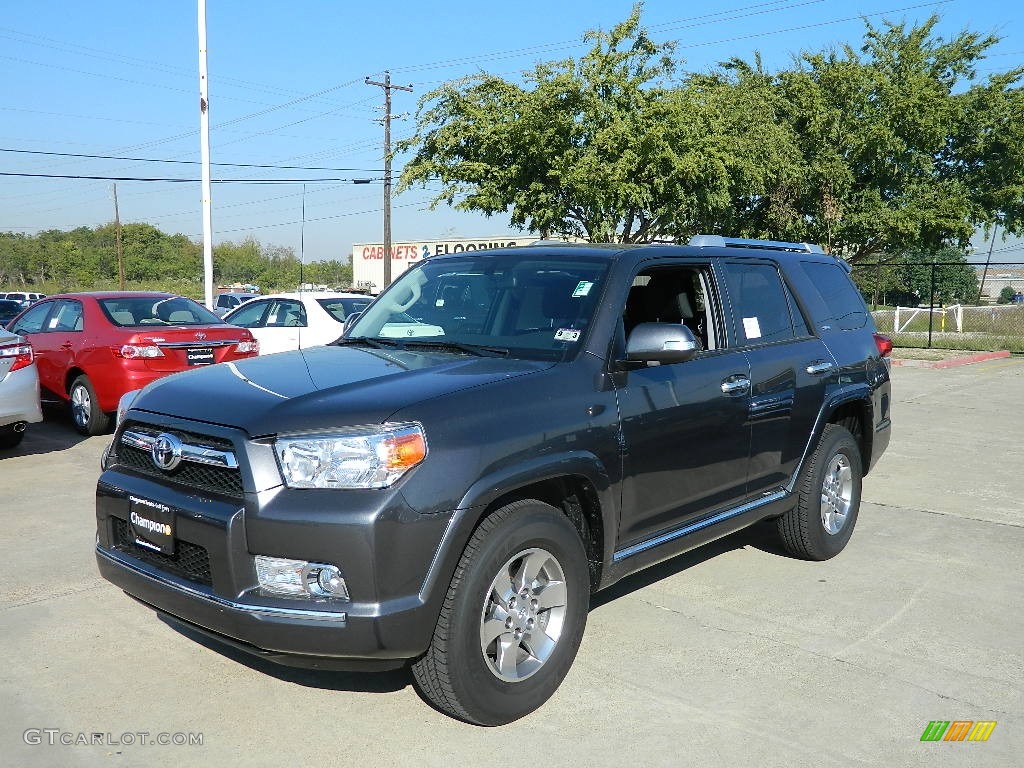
{"x": 85, "y": 259}
{"x": 892, "y": 145}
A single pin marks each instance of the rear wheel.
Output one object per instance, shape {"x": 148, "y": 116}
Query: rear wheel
{"x": 512, "y": 620}
{"x": 828, "y": 500}
{"x": 85, "y": 408}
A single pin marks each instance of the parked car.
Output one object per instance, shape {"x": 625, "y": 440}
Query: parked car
{"x": 25, "y": 299}
{"x": 91, "y": 348}
{"x": 225, "y": 302}
{"x": 19, "y": 389}
{"x": 9, "y": 308}
{"x": 454, "y": 500}
{"x": 286, "y": 321}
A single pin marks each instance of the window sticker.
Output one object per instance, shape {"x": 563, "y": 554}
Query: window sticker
{"x": 439, "y": 303}
{"x": 567, "y": 334}
{"x": 582, "y": 289}
{"x": 751, "y": 328}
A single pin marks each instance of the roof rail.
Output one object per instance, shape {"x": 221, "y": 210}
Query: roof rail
{"x": 717, "y": 241}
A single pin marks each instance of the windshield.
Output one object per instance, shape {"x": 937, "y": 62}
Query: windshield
{"x": 532, "y": 307}
{"x": 157, "y": 310}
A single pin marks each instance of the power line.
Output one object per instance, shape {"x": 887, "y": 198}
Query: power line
{"x": 184, "y": 162}
{"x": 181, "y": 181}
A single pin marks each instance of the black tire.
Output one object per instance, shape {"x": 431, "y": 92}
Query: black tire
{"x": 831, "y": 481}
{"x": 457, "y": 675}
{"x": 9, "y": 438}
{"x": 88, "y": 419}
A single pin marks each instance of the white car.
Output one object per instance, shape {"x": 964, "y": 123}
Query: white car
{"x": 285, "y": 321}
{"x": 19, "y": 388}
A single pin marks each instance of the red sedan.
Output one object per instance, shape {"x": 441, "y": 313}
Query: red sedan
{"x": 91, "y": 348}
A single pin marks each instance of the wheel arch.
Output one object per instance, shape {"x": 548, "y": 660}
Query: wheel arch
{"x": 575, "y": 484}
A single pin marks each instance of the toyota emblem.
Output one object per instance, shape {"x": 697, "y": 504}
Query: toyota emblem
{"x": 200, "y": 335}
{"x": 166, "y": 452}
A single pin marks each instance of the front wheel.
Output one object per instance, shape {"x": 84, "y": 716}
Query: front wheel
{"x": 512, "y": 619}
{"x": 828, "y": 498}
{"x": 85, "y": 408}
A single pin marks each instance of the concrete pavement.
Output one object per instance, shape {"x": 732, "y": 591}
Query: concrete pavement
{"x": 732, "y": 655}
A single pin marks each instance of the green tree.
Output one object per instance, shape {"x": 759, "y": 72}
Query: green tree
{"x": 906, "y": 278}
{"x": 1006, "y": 295}
{"x": 601, "y": 148}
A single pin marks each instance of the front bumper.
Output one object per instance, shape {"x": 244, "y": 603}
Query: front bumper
{"x": 382, "y": 547}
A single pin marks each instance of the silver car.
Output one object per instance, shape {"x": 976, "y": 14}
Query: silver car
{"x": 19, "y": 389}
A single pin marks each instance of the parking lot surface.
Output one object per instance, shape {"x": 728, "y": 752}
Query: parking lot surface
{"x": 732, "y": 655}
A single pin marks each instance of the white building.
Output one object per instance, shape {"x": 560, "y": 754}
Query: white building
{"x": 368, "y": 258}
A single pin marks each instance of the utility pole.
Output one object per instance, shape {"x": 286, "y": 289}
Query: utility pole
{"x": 388, "y": 87}
{"x": 117, "y": 240}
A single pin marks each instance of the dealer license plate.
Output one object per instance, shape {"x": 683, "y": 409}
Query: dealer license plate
{"x": 152, "y": 525}
{"x": 199, "y": 356}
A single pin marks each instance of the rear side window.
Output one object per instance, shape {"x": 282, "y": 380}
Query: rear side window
{"x": 846, "y": 307}
{"x": 760, "y": 308}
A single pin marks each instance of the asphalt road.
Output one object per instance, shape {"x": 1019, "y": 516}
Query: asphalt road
{"x": 733, "y": 655}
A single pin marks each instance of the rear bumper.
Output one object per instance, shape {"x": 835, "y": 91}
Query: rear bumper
{"x": 19, "y": 397}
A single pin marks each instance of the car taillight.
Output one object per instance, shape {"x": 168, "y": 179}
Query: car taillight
{"x": 884, "y": 344}
{"x": 245, "y": 347}
{"x": 21, "y": 353}
{"x": 133, "y": 351}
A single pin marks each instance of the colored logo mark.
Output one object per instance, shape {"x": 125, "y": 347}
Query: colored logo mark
{"x": 958, "y": 730}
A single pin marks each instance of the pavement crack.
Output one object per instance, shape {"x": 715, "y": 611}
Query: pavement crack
{"x": 901, "y": 508}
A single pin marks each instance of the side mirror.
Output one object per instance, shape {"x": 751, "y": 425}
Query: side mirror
{"x": 349, "y": 322}
{"x": 664, "y": 343}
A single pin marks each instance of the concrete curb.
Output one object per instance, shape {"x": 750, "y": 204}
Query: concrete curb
{"x": 951, "y": 362}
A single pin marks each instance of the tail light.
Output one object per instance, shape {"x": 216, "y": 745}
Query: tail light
{"x": 884, "y": 344}
{"x": 245, "y": 347}
{"x": 21, "y": 353}
{"x": 133, "y": 351}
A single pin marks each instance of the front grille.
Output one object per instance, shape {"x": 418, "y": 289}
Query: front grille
{"x": 220, "y": 480}
{"x": 190, "y": 561}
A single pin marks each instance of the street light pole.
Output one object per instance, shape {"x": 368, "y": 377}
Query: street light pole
{"x": 204, "y": 148}
{"x": 388, "y": 87}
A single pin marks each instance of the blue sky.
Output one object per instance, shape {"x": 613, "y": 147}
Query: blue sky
{"x": 120, "y": 79}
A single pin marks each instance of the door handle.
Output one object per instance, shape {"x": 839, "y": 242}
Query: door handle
{"x": 819, "y": 367}
{"x": 66, "y": 345}
{"x": 735, "y": 385}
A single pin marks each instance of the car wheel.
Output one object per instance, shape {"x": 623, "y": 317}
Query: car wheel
{"x": 828, "y": 498}
{"x": 512, "y": 619}
{"x": 9, "y": 438}
{"x": 85, "y": 408}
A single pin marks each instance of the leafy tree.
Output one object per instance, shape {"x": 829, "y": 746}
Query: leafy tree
{"x": 1007, "y": 295}
{"x": 906, "y": 278}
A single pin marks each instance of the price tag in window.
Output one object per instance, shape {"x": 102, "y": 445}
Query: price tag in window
{"x": 751, "y": 328}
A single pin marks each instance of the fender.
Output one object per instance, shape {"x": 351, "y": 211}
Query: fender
{"x": 507, "y": 480}
{"x": 847, "y": 394}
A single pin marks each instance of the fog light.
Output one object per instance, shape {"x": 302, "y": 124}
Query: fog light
{"x": 299, "y": 578}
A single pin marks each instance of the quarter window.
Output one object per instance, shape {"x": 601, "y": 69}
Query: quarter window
{"x": 845, "y": 305}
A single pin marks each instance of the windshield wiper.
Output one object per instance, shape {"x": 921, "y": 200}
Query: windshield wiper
{"x": 458, "y": 346}
{"x": 371, "y": 341}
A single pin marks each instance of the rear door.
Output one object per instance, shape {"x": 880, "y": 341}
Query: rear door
{"x": 789, "y": 369}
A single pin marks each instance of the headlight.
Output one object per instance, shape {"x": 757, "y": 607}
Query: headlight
{"x": 364, "y": 457}
{"x": 124, "y": 404}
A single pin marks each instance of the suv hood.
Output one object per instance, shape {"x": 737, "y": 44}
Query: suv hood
{"x": 321, "y": 387}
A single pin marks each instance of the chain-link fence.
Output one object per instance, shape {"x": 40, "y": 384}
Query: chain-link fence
{"x": 954, "y": 305}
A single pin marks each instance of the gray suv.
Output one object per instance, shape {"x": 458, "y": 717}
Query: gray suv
{"x": 497, "y": 436}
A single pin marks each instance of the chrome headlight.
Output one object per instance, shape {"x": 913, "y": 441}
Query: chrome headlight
{"x": 363, "y": 457}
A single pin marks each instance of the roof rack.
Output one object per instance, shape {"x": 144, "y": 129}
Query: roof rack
{"x": 717, "y": 241}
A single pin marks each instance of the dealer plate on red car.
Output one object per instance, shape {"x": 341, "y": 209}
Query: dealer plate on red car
{"x": 199, "y": 355}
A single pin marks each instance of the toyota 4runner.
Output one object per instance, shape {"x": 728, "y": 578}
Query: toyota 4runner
{"x": 496, "y": 437}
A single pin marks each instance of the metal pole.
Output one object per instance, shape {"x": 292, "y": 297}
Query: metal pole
{"x": 204, "y": 149}
{"x": 931, "y": 307}
{"x": 988, "y": 261}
